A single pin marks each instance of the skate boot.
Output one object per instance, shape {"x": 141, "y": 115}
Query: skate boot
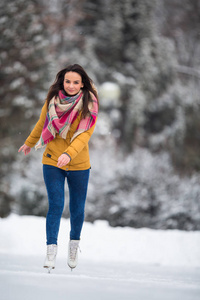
{"x": 73, "y": 253}
{"x": 50, "y": 259}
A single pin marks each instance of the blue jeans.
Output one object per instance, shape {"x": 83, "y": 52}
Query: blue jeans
{"x": 54, "y": 179}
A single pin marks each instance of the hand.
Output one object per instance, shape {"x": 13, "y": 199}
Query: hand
{"x": 25, "y": 149}
{"x": 63, "y": 160}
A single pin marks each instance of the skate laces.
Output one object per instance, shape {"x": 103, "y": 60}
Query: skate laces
{"x": 51, "y": 249}
{"x": 73, "y": 250}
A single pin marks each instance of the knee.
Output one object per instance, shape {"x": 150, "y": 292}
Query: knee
{"x": 56, "y": 207}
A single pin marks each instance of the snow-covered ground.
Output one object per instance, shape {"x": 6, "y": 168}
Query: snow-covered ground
{"x": 114, "y": 263}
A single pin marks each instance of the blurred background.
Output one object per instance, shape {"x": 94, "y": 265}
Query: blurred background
{"x": 144, "y": 58}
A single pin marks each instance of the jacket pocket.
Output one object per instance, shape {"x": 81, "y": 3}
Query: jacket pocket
{"x": 50, "y": 156}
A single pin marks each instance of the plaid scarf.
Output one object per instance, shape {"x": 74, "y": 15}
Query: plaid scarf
{"x": 62, "y": 112}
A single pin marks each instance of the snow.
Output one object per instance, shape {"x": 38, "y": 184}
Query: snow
{"x": 113, "y": 263}
{"x": 109, "y": 93}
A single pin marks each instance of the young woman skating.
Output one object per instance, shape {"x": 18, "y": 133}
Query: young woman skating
{"x": 65, "y": 126}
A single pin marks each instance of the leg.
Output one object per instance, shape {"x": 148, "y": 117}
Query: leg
{"x": 78, "y": 183}
{"x": 55, "y": 180}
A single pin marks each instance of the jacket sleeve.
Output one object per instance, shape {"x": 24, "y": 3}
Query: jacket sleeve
{"x": 37, "y": 130}
{"x": 79, "y": 143}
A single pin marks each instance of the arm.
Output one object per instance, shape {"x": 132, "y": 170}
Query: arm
{"x": 75, "y": 147}
{"x": 35, "y": 133}
{"x": 37, "y": 130}
{"x": 79, "y": 143}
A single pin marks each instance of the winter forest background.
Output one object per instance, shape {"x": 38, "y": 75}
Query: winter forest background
{"x": 144, "y": 57}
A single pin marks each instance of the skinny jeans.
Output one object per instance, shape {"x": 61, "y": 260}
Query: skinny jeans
{"x": 77, "y": 181}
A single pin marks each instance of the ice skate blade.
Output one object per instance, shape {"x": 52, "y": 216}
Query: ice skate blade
{"x": 49, "y": 269}
{"x": 72, "y": 268}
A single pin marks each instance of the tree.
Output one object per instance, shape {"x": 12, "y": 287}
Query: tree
{"x": 23, "y": 73}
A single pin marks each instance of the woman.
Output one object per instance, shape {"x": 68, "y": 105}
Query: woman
{"x": 65, "y": 126}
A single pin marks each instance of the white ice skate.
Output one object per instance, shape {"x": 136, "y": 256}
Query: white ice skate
{"x": 50, "y": 259}
{"x": 73, "y": 253}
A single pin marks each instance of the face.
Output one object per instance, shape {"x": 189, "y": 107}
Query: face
{"x": 72, "y": 83}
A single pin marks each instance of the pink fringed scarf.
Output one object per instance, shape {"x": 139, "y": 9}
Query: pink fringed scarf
{"x": 62, "y": 112}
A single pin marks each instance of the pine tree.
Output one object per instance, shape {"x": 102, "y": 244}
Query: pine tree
{"x": 23, "y": 74}
{"x": 24, "y": 68}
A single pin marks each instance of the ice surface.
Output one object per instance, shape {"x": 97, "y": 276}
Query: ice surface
{"x": 114, "y": 263}
{"x": 93, "y": 280}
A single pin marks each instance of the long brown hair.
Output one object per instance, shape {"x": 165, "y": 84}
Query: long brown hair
{"x": 87, "y": 88}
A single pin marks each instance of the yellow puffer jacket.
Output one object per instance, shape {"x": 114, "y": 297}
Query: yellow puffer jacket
{"x": 78, "y": 149}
